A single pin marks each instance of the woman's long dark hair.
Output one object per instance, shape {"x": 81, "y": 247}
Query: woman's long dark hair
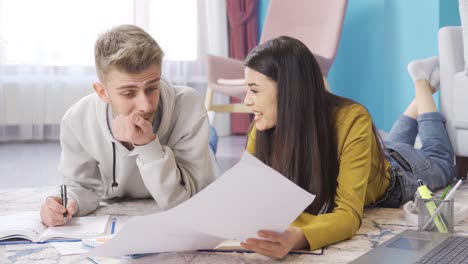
{"x": 303, "y": 145}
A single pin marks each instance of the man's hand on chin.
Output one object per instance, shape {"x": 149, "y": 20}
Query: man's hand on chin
{"x": 133, "y": 128}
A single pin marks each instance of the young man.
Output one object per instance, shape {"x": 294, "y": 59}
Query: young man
{"x": 137, "y": 136}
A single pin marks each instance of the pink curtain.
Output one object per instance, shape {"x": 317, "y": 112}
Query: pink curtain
{"x": 243, "y": 28}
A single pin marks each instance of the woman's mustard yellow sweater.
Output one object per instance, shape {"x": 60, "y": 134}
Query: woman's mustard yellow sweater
{"x": 359, "y": 180}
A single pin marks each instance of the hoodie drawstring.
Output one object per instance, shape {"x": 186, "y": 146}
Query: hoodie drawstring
{"x": 114, "y": 182}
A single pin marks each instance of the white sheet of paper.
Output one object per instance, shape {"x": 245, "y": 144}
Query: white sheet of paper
{"x": 247, "y": 198}
{"x": 68, "y": 248}
{"x": 151, "y": 234}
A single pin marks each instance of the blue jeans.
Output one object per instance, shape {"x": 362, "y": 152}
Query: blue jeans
{"x": 433, "y": 163}
{"x": 213, "y": 139}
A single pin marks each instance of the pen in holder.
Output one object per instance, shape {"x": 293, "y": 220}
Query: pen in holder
{"x": 435, "y": 215}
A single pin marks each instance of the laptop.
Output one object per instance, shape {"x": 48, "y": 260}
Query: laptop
{"x": 412, "y": 246}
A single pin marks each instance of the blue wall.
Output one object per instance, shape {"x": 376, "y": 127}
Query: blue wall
{"x": 412, "y": 30}
{"x": 448, "y": 13}
{"x": 379, "y": 38}
{"x": 358, "y": 71}
{"x": 262, "y": 10}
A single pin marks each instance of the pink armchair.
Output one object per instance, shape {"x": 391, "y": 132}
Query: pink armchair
{"x": 317, "y": 23}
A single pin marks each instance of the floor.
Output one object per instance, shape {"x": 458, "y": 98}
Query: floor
{"x": 35, "y": 164}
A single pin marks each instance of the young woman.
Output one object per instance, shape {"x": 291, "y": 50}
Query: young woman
{"x": 329, "y": 146}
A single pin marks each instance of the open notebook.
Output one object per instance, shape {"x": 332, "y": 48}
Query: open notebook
{"x": 28, "y": 225}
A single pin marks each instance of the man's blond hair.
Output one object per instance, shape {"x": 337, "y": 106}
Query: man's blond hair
{"x": 126, "y": 48}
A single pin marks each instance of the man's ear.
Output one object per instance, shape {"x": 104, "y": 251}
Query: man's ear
{"x": 101, "y": 90}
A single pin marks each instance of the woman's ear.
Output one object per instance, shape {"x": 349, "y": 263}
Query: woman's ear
{"x": 101, "y": 90}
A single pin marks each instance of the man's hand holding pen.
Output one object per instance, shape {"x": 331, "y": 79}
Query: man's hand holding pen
{"x": 56, "y": 211}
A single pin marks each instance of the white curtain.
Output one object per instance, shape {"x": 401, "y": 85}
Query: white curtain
{"x": 47, "y": 61}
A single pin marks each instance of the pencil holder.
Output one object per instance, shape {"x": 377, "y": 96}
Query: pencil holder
{"x": 435, "y": 215}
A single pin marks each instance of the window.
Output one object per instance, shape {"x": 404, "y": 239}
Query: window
{"x": 47, "y": 52}
{"x": 174, "y": 25}
{"x": 63, "y": 32}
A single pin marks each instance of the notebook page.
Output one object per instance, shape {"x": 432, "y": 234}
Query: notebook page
{"x": 25, "y": 225}
{"x": 78, "y": 228}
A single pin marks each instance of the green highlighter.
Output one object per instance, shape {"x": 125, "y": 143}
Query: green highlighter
{"x": 446, "y": 190}
{"x": 432, "y": 207}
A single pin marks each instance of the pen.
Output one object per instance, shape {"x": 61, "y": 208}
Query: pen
{"x": 452, "y": 192}
{"x": 23, "y": 241}
{"x": 114, "y": 220}
{"x": 63, "y": 192}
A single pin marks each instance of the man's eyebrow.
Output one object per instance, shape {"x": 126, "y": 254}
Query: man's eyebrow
{"x": 155, "y": 80}
{"x": 129, "y": 86}
{"x": 132, "y": 86}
